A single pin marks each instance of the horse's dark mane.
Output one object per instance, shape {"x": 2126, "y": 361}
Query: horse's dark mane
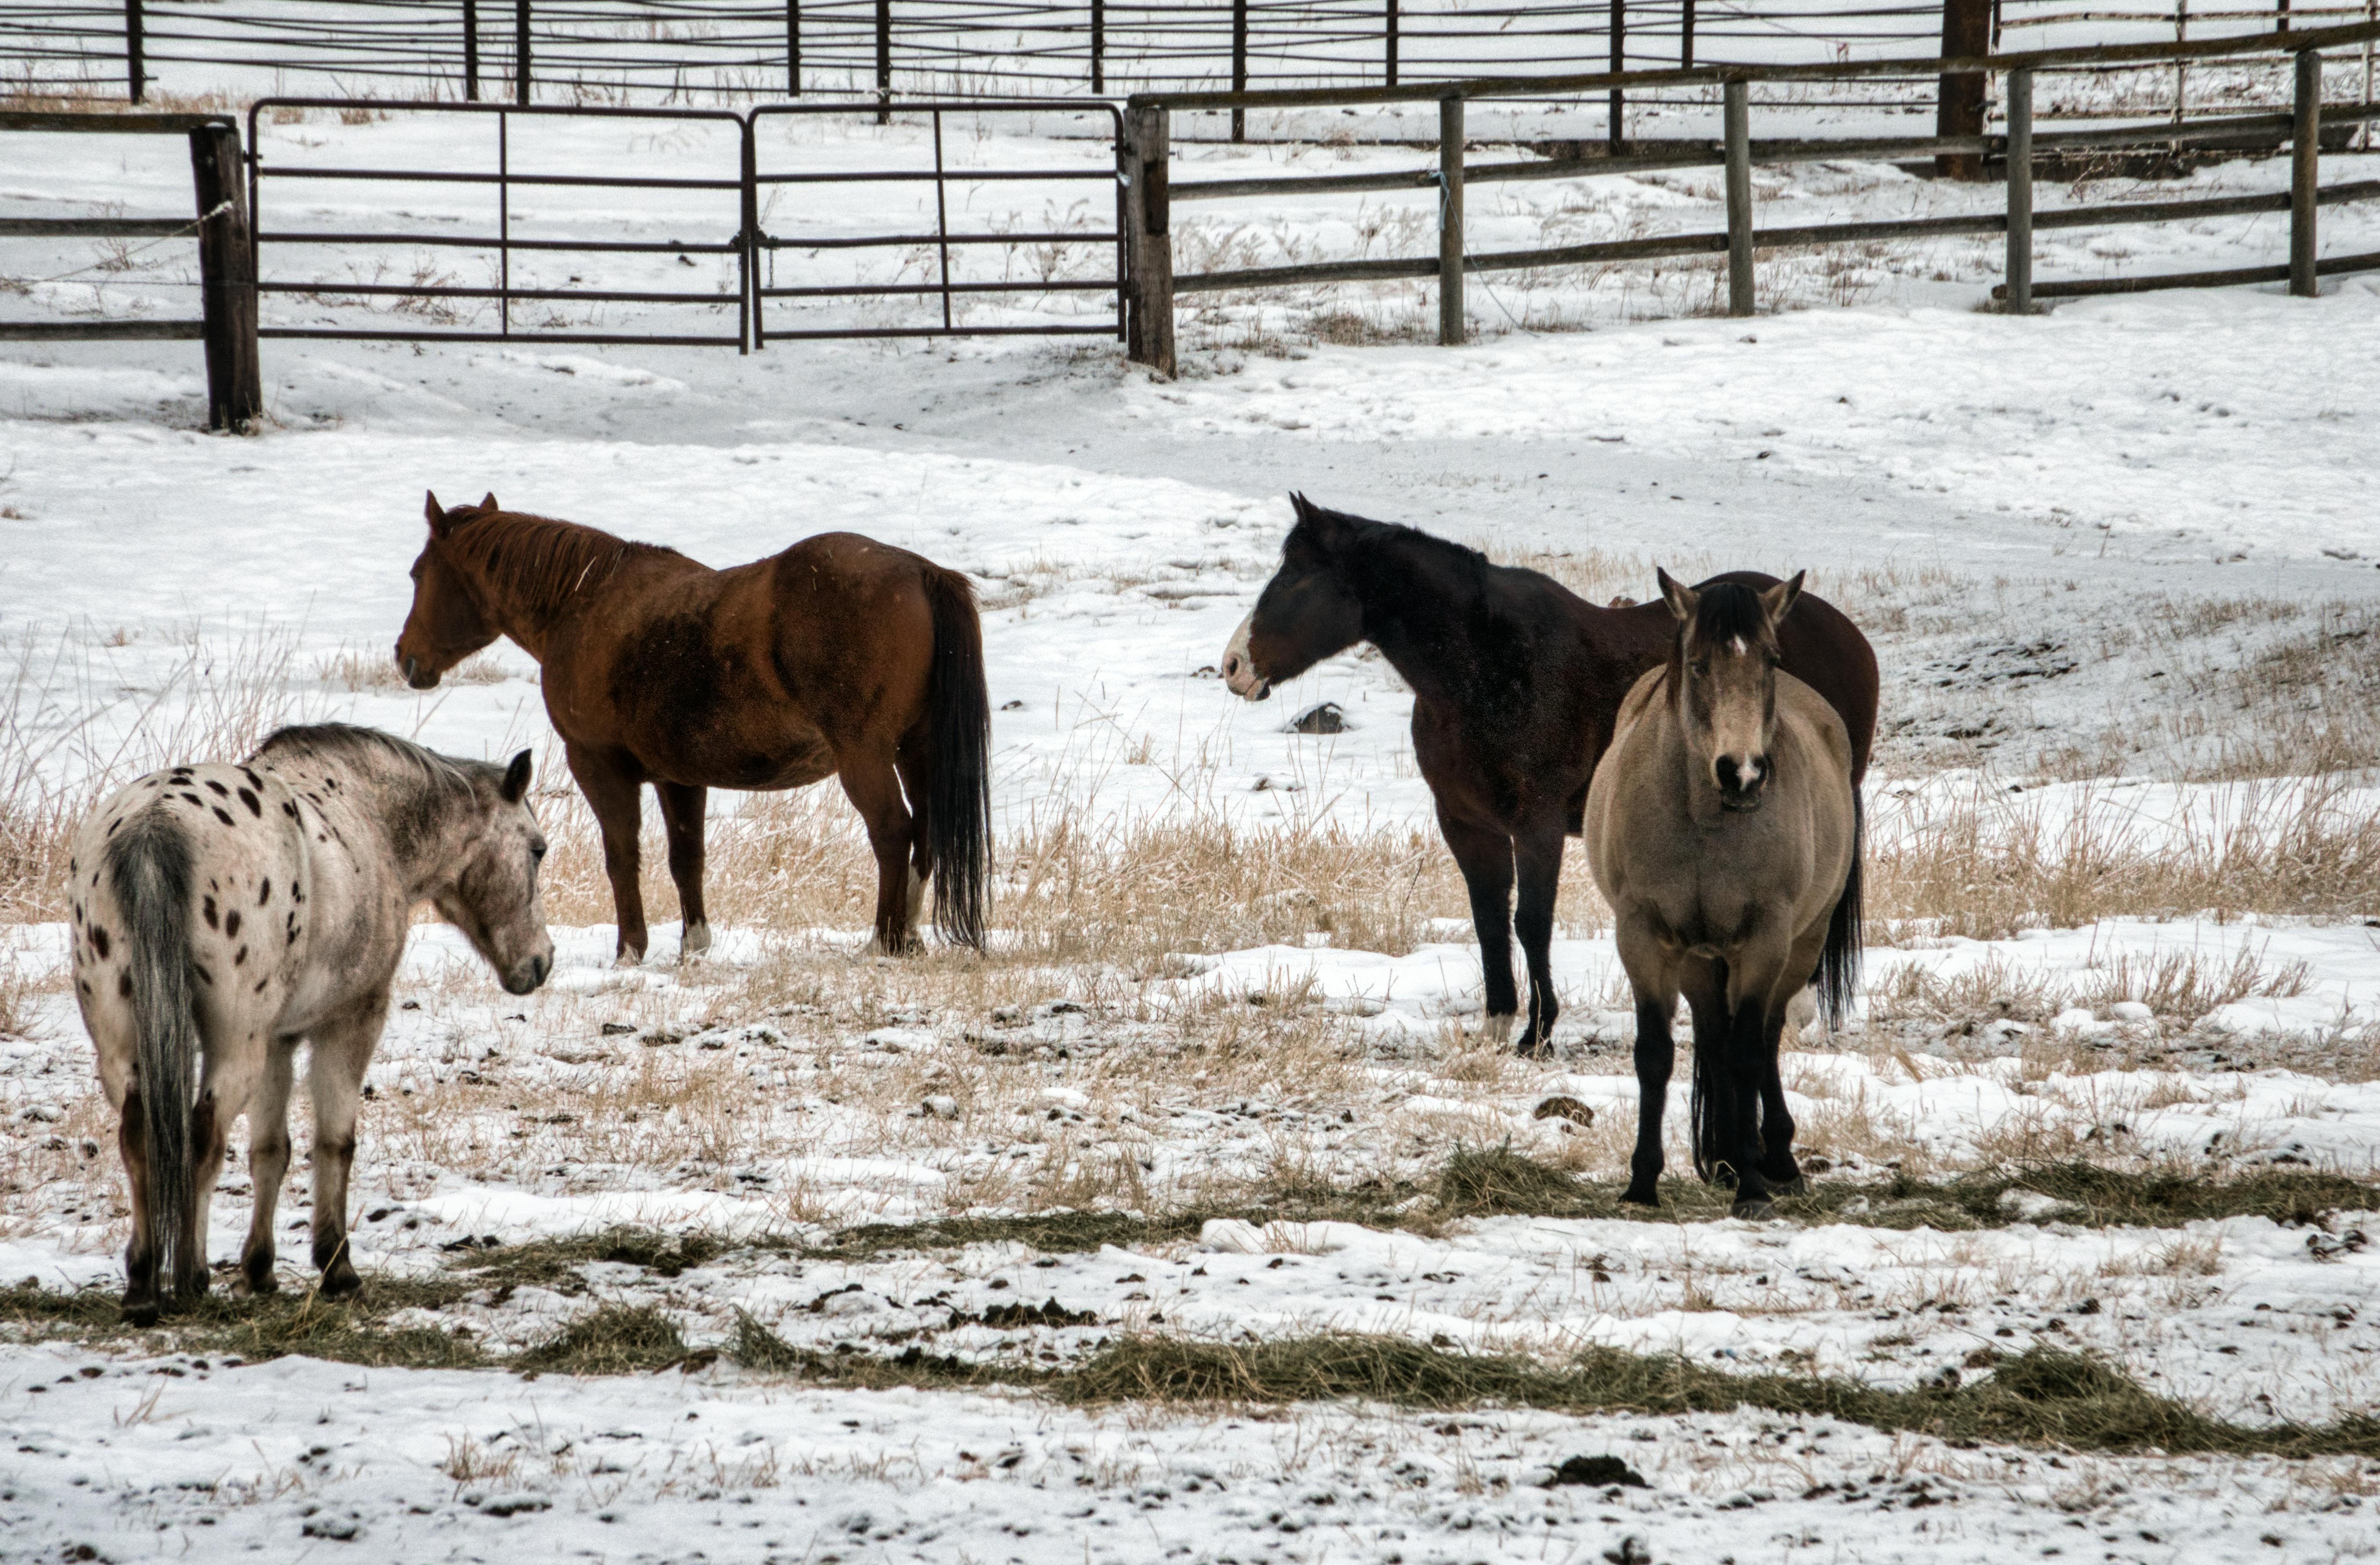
{"x": 346, "y": 742}
{"x": 1363, "y": 533}
{"x": 1728, "y": 608}
{"x": 538, "y": 559}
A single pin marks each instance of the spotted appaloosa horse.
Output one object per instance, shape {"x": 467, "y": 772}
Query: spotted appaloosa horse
{"x": 224, "y": 913}
{"x": 1516, "y": 684}
{"x": 839, "y": 657}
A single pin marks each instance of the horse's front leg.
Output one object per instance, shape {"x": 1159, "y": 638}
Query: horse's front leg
{"x": 874, "y": 789}
{"x": 613, "y": 793}
{"x": 1657, "y": 1003}
{"x": 343, "y": 1048}
{"x": 1484, "y": 856}
{"x": 1537, "y": 856}
{"x": 682, "y": 816}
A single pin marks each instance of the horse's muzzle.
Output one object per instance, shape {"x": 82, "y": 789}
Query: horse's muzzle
{"x": 526, "y": 977}
{"x": 1239, "y": 670}
{"x": 418, "y": 677}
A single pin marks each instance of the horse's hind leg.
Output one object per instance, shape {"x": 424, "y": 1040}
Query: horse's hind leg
{"x": 682, "y": 816}
{"x": 1484, "y": 856}
{"x": 233, "y": 1068}
{"x": 140, "y": 1301}
{"x": 343, "y": 1048}
{"x": 268, "y": 1164}
{"x": 1538, "y": 859}
{"x": 874, "y": 789}
{"x": 916, "y": 769}
{"x": 614, "y": 793}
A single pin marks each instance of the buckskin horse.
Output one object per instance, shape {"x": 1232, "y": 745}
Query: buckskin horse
{"x": 1723, "y": 829}
{"x": 222, "y": 912}
{"x": 841, "y": 657}
{"x": 1517, "y": 683}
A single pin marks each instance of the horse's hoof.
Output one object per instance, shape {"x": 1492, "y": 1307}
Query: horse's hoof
{"x": 140, "y": 1312}
{"x": 251, "y": 1286}
{"x": 695, "y": 942}
{"x": 1497, "y": 1029}
{"x": 1631, "y": 1197}
{"x": 1531, "y": 1048}
{"x": 1791, "y": 1185}
{"x": 341, "y": 1283}
{"x": 629, "y": 958}
{"x": 1754, "y": 1211}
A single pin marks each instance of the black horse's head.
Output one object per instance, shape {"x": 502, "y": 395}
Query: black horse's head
{"x": 1308, "y": 610}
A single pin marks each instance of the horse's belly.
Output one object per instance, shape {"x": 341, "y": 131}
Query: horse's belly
{"x": 783, "y": 760}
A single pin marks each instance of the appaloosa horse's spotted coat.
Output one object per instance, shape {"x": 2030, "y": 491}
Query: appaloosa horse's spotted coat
{"x": 224, "y": 913}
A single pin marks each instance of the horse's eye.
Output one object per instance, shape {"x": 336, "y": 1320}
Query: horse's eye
{"x": 1700, "y": 666}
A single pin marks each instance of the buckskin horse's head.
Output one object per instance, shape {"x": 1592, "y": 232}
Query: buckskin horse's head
{"x": 1308, "y": 610}
{"x": 446, "y": 624}
{"x": 1723, "y": 673}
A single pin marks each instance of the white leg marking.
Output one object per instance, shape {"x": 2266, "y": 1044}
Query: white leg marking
{"x": 695, "y": 940}
{"x": 1497, "y": 1030}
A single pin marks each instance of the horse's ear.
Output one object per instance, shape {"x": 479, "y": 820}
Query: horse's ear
{"x": 514, "y": 786}
{"x": 1325, "y": 530}
{"x": 435, "y": 513}
{"x": 1778, "y": 601}
{"x": 487, "y": 501}
{"x": 1681, "y": 599}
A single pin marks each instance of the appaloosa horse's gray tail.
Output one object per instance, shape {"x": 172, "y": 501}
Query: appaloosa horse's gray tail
{"x": 149, "y": 868}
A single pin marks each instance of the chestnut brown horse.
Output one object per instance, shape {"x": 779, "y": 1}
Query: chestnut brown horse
{"x": 841, "y": 657}
{"x": 1517, "y": 681}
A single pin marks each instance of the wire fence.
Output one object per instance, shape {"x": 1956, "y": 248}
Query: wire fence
{"x": 673, "y": 52}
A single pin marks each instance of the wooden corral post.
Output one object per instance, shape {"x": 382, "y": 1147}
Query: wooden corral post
{"x": 1239, "y": 66}
{"x": 1959, "y": 111}
{"x": 470, "y": 51}
{"x": 521, "y": 50}
{"x": 884, "y": 62}
{"x": 2305, "y": 153}
{"x": 1615, "y": 139}
{"x": 226, "y": 280}
{"x": 793, "y": 48}
{"x": 1149, "y": 239}
{"x": 1389, "y": 38}
{"x": 1736, "y": 100}
{"x": 1450, "y": 222}
{"x": 1098, "y": 45}
{"x": 135, "y": 51}
{"x": 2020, "y": 192}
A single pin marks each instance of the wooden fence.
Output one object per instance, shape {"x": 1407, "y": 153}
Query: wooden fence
{"x": 1147, "y": 158}
{"x": 227, "y": 256}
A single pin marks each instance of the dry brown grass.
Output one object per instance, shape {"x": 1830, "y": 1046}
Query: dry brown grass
{"x": 367, "y": 668}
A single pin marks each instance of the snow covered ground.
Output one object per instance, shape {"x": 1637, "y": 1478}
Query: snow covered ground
{"x": 2120, "y": 570}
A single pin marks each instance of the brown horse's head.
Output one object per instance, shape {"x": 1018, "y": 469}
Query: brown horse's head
{"x": 1723, "y": 672}
{"x": 1308, "y": 610}
{"x": 447, "y": 623}
{"x": 492, "y": 895}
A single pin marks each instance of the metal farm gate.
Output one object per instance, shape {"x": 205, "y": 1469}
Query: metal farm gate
{"x": 561, "y": 232}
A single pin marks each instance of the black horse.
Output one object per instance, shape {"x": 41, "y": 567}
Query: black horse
{"x": 1516, "y": 684}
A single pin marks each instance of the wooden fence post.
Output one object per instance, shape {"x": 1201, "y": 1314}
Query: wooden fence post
{"x": 1149, "y": 239}
{"x": 1098, "y": 45}
{"x": 1450, "y": 223}
{"x": 1686, "y": 37}
{"x": 521, "y": 50}
{"x": 135, "y": 51}
{"x": 1737, "y": 109}
{"x": 470, "y": 51}
{"x": 1239, "y": 66}
{"x": 2020, "y": 192}
{"x": 226, "y": 280}
{"x": 793, "y": 48}
{"x": 1389, "y": 35}
{"x": 884, "y": 62}
{"x": 1959, "y": 111}
{"x": 1615, "y": 137}
{"x": 2305, "y": 155}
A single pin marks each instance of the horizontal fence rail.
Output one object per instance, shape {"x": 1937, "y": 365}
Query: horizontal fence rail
{"x": 1148, "y": 155}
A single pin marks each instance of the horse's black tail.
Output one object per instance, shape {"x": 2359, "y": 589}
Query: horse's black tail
{"x": 958, "y": 803}
{"x": 149, "y": 869}
{"x": 1839, "y": 964}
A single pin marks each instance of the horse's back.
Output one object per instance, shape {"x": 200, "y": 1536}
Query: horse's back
{"x": 223, "y": 841}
